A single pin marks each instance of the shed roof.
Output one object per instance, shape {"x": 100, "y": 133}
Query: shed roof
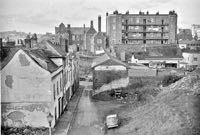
{"x": 101, "y": 59}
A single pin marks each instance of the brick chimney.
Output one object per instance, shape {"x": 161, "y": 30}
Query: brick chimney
{"x": 1, "y": 45}
{"x": 69, "y": 34}
{"x": 84, "y": 28}
{"x": 68, "y": 26}
{"x": 99, "y": 23}
{"x": 27, "y": 41}
{"x": 64, "y": 44}
{"x": 91, "y": 24}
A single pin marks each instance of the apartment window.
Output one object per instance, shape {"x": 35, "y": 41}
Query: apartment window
{"x": 114, "y": 20}
{"x": 130, "y": 20}
{"x": 195, "y": 58}
{"x": 73, "y": 37}
{"x": 123, "y": 28}
{"x": 57, "y": 88}
{"x": 137, "y": 20}
{"x": 122, "y": 20}
{"x": 113, "y": 27}
{"x": 54, "y": 91}
{"x": 99, "y": 41}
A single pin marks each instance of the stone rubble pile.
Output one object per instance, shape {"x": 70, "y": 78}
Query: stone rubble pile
{"x": 24, "y": 131}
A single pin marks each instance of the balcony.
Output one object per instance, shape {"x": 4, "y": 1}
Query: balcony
{"x": 144, "y": 24}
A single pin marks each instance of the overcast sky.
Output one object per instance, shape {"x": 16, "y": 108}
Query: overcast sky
{"x": 42, "y": 16}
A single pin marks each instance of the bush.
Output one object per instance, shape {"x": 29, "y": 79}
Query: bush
{"x": 169, "y": 79}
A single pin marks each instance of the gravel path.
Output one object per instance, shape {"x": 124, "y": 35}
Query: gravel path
{"x": 87, "y": 121}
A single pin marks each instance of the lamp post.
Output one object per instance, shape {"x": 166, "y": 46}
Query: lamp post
{"x": 50, "y": 118}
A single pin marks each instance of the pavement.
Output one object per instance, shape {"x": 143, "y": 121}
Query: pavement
{"x": 63, "y": 125}
{"x": 87, "y": 121}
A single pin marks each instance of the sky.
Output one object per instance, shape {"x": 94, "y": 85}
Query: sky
{"x": 41, "y": 16}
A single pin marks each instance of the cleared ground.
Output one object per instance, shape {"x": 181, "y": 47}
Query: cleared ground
{"x": 175, "y": 110}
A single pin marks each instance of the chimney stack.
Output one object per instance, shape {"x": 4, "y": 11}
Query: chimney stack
{"x": 99, "y": 23}
{"x": 84, "y": 28}
{"x": 27, "y": 41}
{"x": 68, "y": 26}
{"x": 1, "y": 45}
{"x": 91, "y": 24}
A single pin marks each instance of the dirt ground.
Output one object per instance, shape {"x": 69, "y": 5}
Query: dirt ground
{"x": 175, "y": 110}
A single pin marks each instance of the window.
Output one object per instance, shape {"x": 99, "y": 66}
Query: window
{"x": 195, "y": 58}
{"x": 60, "y": 83}
{"x": 99, "y": 41}
{"x": 57, "y": 88}
{"x": 73, "y": 37}
{"x": 54, "y": 92}
{"x": 114, "y": 20}
{"x": 137, "y": 20}
{"x": 113, "y": 27}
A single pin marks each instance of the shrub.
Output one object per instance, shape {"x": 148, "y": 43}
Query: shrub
{"x": 169, "y": 79}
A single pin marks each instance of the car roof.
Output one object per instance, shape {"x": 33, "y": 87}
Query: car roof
{"x": 112, "y": 115}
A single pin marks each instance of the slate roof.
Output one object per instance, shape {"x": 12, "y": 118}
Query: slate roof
{"x": 40, "y": 56}
{"x": 58, "y": 48}
{"x": 76, "y": 30}
{"x": 101, "y": 59}
{"x": 91, "y": 31}
{"x": 7, "y": 54}
{"x": 189, "y": 42}
{"x": 79, "y": 30}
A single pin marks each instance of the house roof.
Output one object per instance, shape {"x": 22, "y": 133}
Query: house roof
{"x": 40, "y": 56}
{"x": 101, "y": 59}
{"x": 76, "y": 30}
{"x": 79, "y": 30}
{"x": 57, "y": 48}
{"x": 91, "y": 31}
{"x": 189, "y": 42}
{"x": 191, "y": 51}
{"x": 7, "y": 54}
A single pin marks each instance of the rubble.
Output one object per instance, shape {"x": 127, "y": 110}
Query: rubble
{"x": 24, "y": 131}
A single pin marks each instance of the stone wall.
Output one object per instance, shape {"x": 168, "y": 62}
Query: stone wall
{"x": 23, "y": 114}
{"x": 101, "y": 77}
{"x": 118, "y": 83}
{"x": 142, "y": 72}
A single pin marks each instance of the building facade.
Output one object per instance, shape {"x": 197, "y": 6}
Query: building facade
{"x": 141, "y": 28}
{"x": 192, "y": 58}
{"x": 80, "y": 36}
{"x": 196, "y": 31}
{"x": 98, "y": 40}
{"x": 44, "y": 80}
{"x": 109, "y": 72}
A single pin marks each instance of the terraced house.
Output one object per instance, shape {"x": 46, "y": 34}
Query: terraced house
{"x": 35, "y": 82}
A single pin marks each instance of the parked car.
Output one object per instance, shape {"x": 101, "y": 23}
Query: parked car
{"x": 82, "y": 78}
{"x": 89, "y": 78}
{"x": 112, "y": 121}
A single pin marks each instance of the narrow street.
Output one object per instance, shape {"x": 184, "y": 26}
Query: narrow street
{"x": 86, "y": 121}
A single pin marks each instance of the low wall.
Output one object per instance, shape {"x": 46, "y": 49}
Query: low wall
{"x": 142, "y": 72}
{"x": 123, "y": 82}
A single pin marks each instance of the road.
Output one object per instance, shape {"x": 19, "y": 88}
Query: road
{"x": 86, "y": 121}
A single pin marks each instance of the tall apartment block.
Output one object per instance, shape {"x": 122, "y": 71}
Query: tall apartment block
{"x": 142, "y": 28}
